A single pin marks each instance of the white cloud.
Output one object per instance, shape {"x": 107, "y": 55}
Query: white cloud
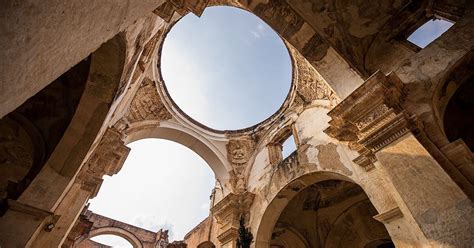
{"x": 185, "y": 78}
{"x": 256, "y": 34}
{"x": 259, "y": 31}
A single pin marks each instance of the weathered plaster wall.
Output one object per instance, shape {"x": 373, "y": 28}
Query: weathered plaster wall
{"x": 35, "y": 53}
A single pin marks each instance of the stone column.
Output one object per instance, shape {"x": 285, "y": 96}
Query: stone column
{"x": 107, "y": 159}
{"x": 429, "y": 204}
{"x": 227, "y": 213}
{"x": 53, "y": 235}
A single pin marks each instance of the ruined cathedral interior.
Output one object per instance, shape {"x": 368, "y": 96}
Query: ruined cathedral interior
{"x": 383, "y": 127}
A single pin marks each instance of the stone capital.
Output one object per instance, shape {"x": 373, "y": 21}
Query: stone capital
{"x": 227, "y": 213}
{"x": 390, "y": 215}
{"x": 169, "y": 7}
{"x": 372, "y": 117}
{"x": 106, "y": 159}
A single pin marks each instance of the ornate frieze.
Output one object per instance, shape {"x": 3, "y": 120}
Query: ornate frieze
{"x": 107, "y": 159}
{"x": 310, "y": 85}
{"x": 239, "y": 152}
{"x": 147, "y": 105}
{"x": 371, "y": 117}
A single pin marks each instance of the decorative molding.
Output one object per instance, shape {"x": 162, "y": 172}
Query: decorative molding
{"x": 107, "y": 159}
{"x": 182, "y": 7}
{"x": 462, "y": 157}
{"x": 366, "y": 160}
{"x": 228, "y": 212}
{"x": 389, "y": 215}
{"x": 196, "y": 6}
{"x": 27, "y": 209}
{"x": 147, "y": 105}
{"x": 310, "y": 85}
{"x": 372, "y": 117}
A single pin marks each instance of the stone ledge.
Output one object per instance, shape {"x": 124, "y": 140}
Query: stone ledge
{"x": 27, "y": 209}
{"x": 389, "y": 215}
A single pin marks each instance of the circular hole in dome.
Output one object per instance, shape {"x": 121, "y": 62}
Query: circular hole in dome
{"x": 227, "y": 69}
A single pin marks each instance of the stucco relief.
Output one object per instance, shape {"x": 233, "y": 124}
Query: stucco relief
{"x": 145, "y": 105}
{"x": 239, "y": 152}
{"x": 310, "y": 85}
{"x": 107, "y": 159}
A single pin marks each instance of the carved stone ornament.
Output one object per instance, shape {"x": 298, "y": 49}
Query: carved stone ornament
{"x": 166, "y": 10}
{"x": 228, "y": 212}
{"x": 147, "y": 105}
{"x": 371, "y": 117}
{"x": 239, "y": 150}
{"x": 197, "y": 6}
{"x": 310, "y": 85}
{"x": 238, "y": 154}
{"x": 107, "y": 159}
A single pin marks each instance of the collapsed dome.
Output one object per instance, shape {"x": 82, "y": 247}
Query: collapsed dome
{"x": 227, "y": 69}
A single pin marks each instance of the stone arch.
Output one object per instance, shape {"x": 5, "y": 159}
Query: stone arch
{"x": 52, "y": 188}
{"x": 104, "y": 79}
{"x": 292, "y": 238}
{"x": 280, "y": 200}
{"x": 341, "y": 234}
{"x": 177, "y": 133}
{"x": 461, "y": 71}
{"x": 206, "y": 244}
{"x": 130, "y": 237}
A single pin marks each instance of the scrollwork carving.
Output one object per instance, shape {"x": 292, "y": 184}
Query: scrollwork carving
{"x": 147, "y": 105}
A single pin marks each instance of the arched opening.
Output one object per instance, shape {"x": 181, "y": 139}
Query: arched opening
{"x": 238, "y": 70}
{"x": 429, "y": 32}
{"x": 105, "y": 240}
{"x": 458, "y": 117}
{"x": 207, "y": 244}
{"x": 62, "y": 121}
{"x": 452, "y": 105}
{"x": 321, "y": 210}
{"x": 29, "y": 134}
{"x": 162, "y": 184}
{"x": 186, "y": 137}
{"x": 80, "y": 124}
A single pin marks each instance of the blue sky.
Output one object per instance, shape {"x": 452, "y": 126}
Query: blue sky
{"x": 227, "y": 70}
{"x": 429, "y": 31}
{"x": 161, "y": 185}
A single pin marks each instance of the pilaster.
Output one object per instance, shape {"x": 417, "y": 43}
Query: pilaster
{"x": 372, "y": 121}
{"x": 227, "y": 213}
{"x": 107, "y": 158}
